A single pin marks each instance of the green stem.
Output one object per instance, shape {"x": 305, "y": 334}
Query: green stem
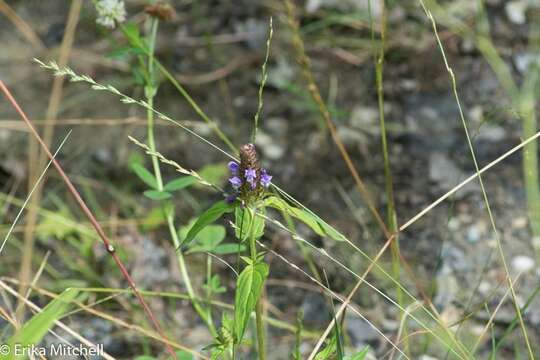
{"x": 390, "y": 208}
{"x": 150, "y": 92}
{"x": 209, "y": 288}
{"x": 259, "y": 306}
{"x": 530, "y": 158}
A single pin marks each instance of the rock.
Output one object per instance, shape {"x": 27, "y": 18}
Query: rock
{"x": 360, "y": 331}
{"x": 350, "y": 136}
{"x": 522, "y": 263}
{"x": 281, "y": 74}
{"x": 276, "y": 126}
{"x": 446, "y": 174}
{"x": 473, "y": 234}
{"x": 515, "y": 10}
{"x": 447, "y": 288}
{"x": 314, "y": 309}
{"x": 150, "y": 264}
{"x": 476, "y": 114}
{"x": 524, "y": 60}
{"x": 257, "y": 31}
{"x": 491, "y": 133}
{"x": 427, "y": 357}
{"x": 345, "y": 5}
{"x": 364, "y": 117}
{"x": 268, "y": 146}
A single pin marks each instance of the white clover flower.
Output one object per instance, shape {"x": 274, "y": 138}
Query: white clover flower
{"x": 110, "y": 12}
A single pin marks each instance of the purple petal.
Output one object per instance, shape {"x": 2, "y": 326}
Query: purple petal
{"x": 233, "y": 166}
{"x": 230, "y": 199}
{"x": 250, "y": 174}
{"x": 253, "y": 183}
{"x": 265, "y": 178}
{"x": 236, "y": 182}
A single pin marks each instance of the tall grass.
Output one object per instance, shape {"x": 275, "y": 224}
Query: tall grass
{"x": 484, "y": 193}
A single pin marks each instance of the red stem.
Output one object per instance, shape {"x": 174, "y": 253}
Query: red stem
{"x": 90, "y": 216}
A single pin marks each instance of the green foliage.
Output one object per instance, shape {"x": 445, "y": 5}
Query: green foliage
{"x": 183, "y": 355}
{"x": 157, "y": 195}
{"x": 146, "y": 176}
{"x": 225, "y": 249}
{"x": 207, "y": 239}
{"x": 210, "y": 239}
{"x": 214, "y": 173}
{"x": 214, "y": 285}
{"x": 179, "y": 184}
{"x": 208, "y": 217}
{"x": 361, "y": 355}
{"x": 298, "y": 335}
{"x": 248, "y": 290}
{"x": 311, "y": 220}
{"x": 59, "y": 224}
{"x": 34, "y": 329}
{"x": 153, "y": 219}
{"x": 224, "y": 339}
{"x": 133, "y": 35}
{"x": 329, "y": 352}
{"x": 248, "y": 223}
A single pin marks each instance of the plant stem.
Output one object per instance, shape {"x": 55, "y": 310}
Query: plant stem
{"x": 259, "y": 306}
{"x": 150, "y": 91}
{"x": 390, "y": 207}
{"x": 530, "y": 159}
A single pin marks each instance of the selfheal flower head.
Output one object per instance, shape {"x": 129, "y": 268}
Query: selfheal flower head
{"x": 248, "y": 179}
{"x": 110, "y": 12}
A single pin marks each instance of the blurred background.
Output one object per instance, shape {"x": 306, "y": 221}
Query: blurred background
{"x": 215, "y": 49}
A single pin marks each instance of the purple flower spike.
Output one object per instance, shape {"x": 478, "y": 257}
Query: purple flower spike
{"x": 251, "y": 174}
{"x": 230, "y": 199}
{"x": 233, "y": 166}
{"x": 265, "y": 178}
{"x": 236, "y": 182}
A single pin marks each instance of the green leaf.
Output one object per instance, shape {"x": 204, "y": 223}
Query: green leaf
{"x": 157, "y": 195}
{"x": 208, "y": 238}
{"x": 314, "y": 222}
{"x": 246, "y": 222}
{"x": 184, "y": 355}
{"x": 214, "y": 285}
{"x": 361, "y": 355}
{"x": 145, "y": 175}
{"x": 248, "y": 290}
{"x": 329, "y": 351}
{"x": 214, "y": 173}
{"x": 229, "y": 248}
{"x": 123, "y": 52}
{"x": 180, "y": 183}
{"x": 34, "y": 329}
{"x": 153, "y": 219}
{"x": 131, "y": 31}
{"x": 208, "y": 217}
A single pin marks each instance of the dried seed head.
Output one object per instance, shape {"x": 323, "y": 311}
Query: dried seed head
{"x": 248, "y": 158}
{"x": 164, "y": 12}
